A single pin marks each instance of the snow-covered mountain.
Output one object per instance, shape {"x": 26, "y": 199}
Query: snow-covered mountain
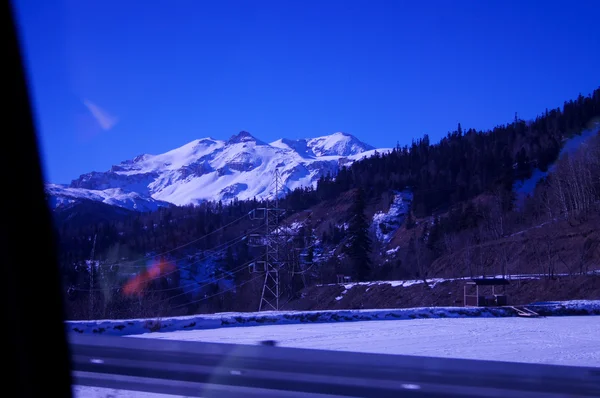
{"x": 207, "y": 169}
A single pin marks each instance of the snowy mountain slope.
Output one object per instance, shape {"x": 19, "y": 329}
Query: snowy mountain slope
{"x": 338, "y": 144}
{"x": 208, "y": 169}
{"x": 64, "y": 196}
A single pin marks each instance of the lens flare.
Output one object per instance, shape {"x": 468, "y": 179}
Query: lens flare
{"x": 137, "y": 284}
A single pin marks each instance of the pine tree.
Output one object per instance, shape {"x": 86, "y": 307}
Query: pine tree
{"x": 358, "y": 246}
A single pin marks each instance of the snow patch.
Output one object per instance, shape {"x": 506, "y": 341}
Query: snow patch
{"x": 386, "y": 224}
{"x": 392, "y": 251}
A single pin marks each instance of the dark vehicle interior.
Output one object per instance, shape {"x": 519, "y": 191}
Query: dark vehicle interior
{"x": 31, "y": 359}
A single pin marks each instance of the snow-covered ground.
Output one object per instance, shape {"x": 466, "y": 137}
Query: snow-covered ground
{"x": 572, "y": 340}
{"x": 569, "y": 340}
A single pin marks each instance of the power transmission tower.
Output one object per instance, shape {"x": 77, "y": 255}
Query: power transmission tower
{"x": 272, "y": 240}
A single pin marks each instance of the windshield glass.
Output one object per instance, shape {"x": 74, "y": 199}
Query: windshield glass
{"x": 325, "y": 174}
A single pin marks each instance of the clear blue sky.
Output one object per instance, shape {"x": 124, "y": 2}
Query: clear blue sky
{"x": 159, "y": 74}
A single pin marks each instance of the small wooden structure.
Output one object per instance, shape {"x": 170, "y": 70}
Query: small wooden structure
{"x": 494, "y": 298}
{"x": 341, "y": 279}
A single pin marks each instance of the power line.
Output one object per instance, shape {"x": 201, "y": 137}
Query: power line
{"x": 212, "y": 255}
{"x": 226, "y": 245}
{"x": 186, "y": 256}
{"x": 148, "y": 257}
{"x": 212, "y": 281}
{"x": 217, "y": 294}
{"x": 233, "y": 272}
{"x": 322, "y": 256}
{"x": 273, "y": 232}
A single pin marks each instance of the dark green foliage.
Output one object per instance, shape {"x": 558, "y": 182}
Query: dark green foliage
{"x": 358, "y": 246}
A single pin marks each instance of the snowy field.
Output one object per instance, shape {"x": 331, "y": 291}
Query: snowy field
{"x": 572, "y": 340}
{"x": 567, "y": 340}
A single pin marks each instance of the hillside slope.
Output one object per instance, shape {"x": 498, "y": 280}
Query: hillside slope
{"x": 440, "y": 293}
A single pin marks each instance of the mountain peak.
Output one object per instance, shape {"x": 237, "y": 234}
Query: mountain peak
{"x": 244, "y": 136}
{"x": 338, "y": 144}
{"x": 140, "y": 158}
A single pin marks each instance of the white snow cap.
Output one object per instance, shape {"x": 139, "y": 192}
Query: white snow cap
{"x": 208, "y": 169}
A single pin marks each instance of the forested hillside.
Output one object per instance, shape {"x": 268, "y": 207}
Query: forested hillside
{"x": 464, "y": 220}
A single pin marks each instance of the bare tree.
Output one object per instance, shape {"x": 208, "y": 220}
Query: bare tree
{"x": 420, "y": 256}
{"x": 495, "y": 216}
{"x": 466, "y": 255}
{"x": 506, "y": 253}
{"x": 450, "y": 243}
{"x": 538, "y": 248}
{"x": 590, "y": 246}
{"x": 549, "y": 252}
{"x": 547, "y": 202}
{"x": 575, "y": 183}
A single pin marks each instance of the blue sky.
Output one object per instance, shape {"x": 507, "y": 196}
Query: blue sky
{"x": 114, "y": 79}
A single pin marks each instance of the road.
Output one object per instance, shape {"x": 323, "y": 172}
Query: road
{"x": 229, "y": 370}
